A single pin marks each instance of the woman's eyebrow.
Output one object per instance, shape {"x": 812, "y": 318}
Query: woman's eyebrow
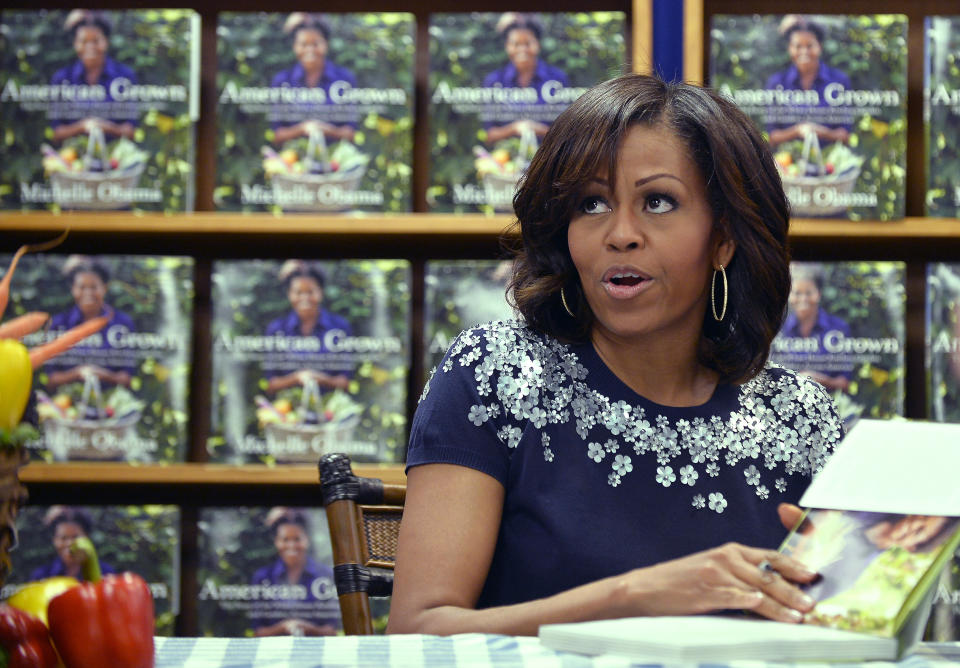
{"x": 652, "y": 177}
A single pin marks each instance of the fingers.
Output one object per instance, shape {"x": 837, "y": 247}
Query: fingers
{"x": 773, "y": 577}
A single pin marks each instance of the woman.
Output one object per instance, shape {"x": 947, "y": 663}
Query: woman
{"x": 89, "y": 280}
{"x": 310, "y": 40}
{"x": 313, "y": 586}
{"x": 304, "y": 283}
{"x": 804, "y": 40}
{"x": 807, "y": 320}
{"x": 521, "y": 35}
{"x": 617, "y": 454}
{"x": 66, "y": 524}
{"x": 90, "y": 33}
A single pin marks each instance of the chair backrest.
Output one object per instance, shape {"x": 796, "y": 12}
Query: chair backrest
{"x": 364, "y": 519}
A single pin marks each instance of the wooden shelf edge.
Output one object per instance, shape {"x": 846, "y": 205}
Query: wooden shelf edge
{"x": 189, "y": 473}
{"x": 414, "y": 225}
{"x": 213, "y": 223}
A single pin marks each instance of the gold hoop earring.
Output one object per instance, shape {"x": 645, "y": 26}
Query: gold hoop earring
{"x": 566, "y": 307}
{"x": 713, "y": 294}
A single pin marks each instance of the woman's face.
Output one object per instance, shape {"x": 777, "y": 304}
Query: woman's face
{"x": 804, "y": 298}
{"x": 91, "y": 46}
{"x": 310, "y": 48}
{"x": 63, "y": 538}
{"x": 88, "y": 292}
{"x": 291, "y": 543}
{"x": 522, "y": 47}
{"x": 643, "y": 245}
{"x": 305, "y": 295}
{"x": 804, "y": 49}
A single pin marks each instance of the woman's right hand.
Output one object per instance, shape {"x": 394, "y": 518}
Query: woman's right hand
{"x": 728, "y": 577}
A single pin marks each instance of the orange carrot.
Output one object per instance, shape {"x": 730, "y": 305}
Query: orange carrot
{"x": 31, "y": 248}
{"x": 46, "y": 351}
{"x": 25, "y": 324}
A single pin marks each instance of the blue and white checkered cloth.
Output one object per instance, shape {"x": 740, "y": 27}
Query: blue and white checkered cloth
{"x": 472, "y": 650}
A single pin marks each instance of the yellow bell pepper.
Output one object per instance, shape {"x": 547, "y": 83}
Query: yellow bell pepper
{"x": 35, "y": 596}
{"x": 16, "y": 376}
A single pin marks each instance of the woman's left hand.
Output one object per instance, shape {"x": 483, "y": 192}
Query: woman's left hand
{"x": 729, "y": 577}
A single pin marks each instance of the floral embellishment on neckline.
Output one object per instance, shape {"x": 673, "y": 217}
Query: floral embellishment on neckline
{"x": 783, "y": 424}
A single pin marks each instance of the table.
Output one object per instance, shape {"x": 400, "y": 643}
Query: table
{"x": 471, "y": 650}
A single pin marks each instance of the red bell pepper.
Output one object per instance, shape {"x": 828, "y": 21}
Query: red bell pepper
{"x": 25, "y": 639}
{"x": 110, "y": 623}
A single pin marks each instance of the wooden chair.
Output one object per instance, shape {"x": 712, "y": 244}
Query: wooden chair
{"x": 364, "y": 519}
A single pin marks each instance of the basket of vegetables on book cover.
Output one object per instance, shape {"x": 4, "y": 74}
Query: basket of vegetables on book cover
{"x": 804, "y": 169}
{"x": 300, "y": 431}
{"x": 317, "y": 180}
{"x": 17, "y": 365}
{"x": 83, "y": 421}
{"x": 500, "y": 170}
{"x": 106, "y": 172}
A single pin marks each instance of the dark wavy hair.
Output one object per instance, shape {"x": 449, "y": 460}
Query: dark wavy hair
{"x": 803, "y": 24}
{"x": 743, "y": 190}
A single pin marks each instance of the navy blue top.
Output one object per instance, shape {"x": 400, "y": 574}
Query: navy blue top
{"x": 295, "y": 77}
{"x": 598, "y": 479}
{"x": 96, "y": 348}
{"x": 75, "y": 74}
{"x": 315, "y": 599}
{"x": 328, "y": 324}
{"x": 822, "y": 113}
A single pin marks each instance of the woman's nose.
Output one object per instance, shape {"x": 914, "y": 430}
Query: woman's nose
{"x": 625, "y": 232}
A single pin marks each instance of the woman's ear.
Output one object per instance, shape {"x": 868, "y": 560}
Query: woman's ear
{"x": 723, "y": 253}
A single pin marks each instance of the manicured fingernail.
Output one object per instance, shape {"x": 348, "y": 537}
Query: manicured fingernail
{"x": 794, "y": 615}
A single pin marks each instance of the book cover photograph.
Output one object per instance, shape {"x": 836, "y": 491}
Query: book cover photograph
{"x": 942, "y": 115}
{"x": 830, "y": 94}
{"x": 497, "y": 82}
{"x": 120, "y": 394}
{"x": 98, "y": 109}
{"x": 309, "y": 357}
{"x": 314, "y": 111}
{"x": 460, "y": 294}
{"x": 874, "y": 568}
{"x": 846, "y": 329}
{"x": 265, "y": 571}
{"x": 139, "y": 539}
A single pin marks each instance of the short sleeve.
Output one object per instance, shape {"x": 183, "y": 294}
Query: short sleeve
{"x": 458, "y": 420}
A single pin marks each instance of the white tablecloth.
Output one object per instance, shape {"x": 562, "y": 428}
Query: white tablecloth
{"x": 472, "y": 650}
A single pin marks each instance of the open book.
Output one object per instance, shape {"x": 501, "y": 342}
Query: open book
{"x": 884, "y": 521}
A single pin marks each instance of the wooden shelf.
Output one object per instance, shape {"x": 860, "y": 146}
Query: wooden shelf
{"x": 189, "y": 474}
{"x": 417, "y": 225}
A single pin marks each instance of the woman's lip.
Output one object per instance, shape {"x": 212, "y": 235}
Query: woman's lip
{"x": 626, "y": 291}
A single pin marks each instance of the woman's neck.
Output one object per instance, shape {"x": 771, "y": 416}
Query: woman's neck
{"x": 665, "y": 372}
{"x": 294, "y": 572}
{"x": 308, "y": 322}
{"x": 312, "y": 76}
{"x": 806, "y": 323}
{"x": 92, "y": 74}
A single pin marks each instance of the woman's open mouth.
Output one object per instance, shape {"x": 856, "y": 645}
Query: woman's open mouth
{"x": 625, "y": 283}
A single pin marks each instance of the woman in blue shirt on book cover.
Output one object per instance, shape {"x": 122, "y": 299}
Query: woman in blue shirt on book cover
{"x": 309, "y": 36}
{"x": 521, "y": 35}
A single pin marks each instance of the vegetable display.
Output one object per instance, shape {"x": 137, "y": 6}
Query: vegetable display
{"x": 25, "y": 639}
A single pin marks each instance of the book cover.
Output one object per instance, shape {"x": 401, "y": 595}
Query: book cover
{"x": 874, "y": 568}
{"x": 309, "y": 357}
{"x": 830, "y": 94}
{"x": 99, "y": 109}
{"x": 141, "y": 539}
{"x": 314, "y": 111}
{"x": 497, "y": 82}
{"x": 846, "y": 329}
{"x": 265, "y": 571}
{"x": 943, "y": 341}
{"x": 942, "y": 115}
{"x": 120, "y": 394}
{"x": 460, "y": 294}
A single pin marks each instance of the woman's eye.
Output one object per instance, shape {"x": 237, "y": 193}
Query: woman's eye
{"x": 660, "y": 204}
{"x": 594, "y": 205}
